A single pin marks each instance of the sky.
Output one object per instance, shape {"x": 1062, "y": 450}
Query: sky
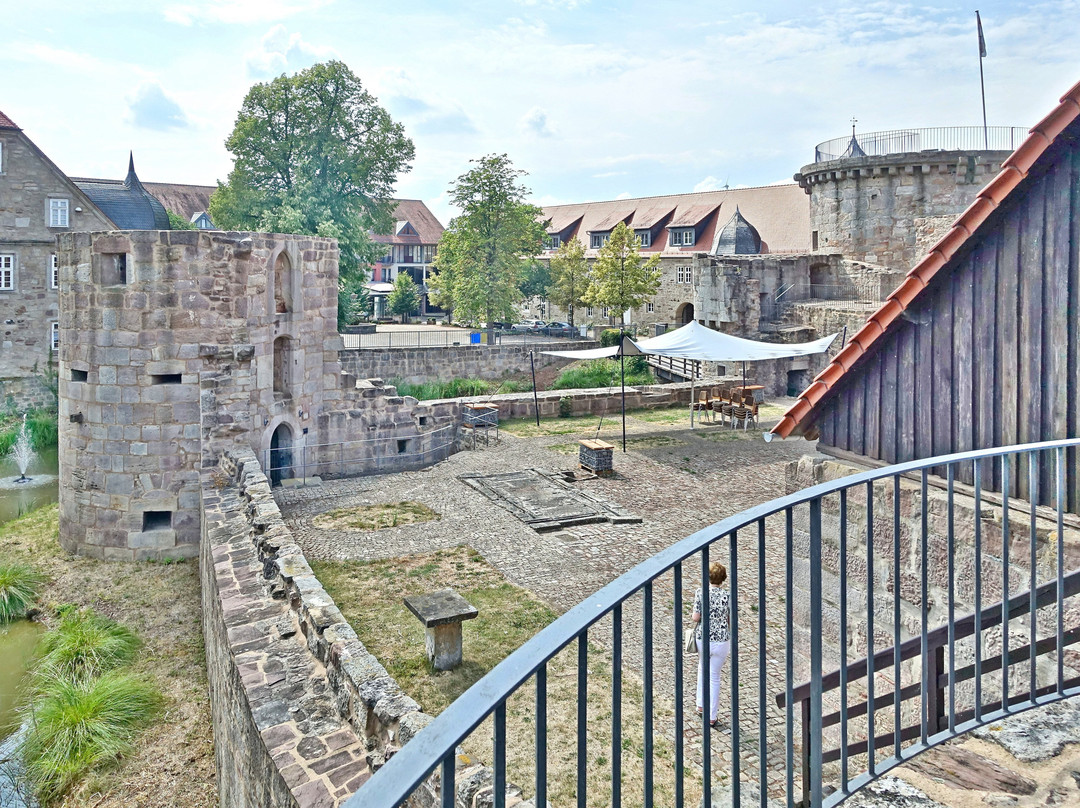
{"x": 594, "y": 99}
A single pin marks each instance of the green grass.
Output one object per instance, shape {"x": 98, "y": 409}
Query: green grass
{"x": 457, "y": 388}
{"x": 585, "y": 425}
{"x": 600, "y": 373}
{"x": 77, "y": 726}
{"x": 375, "y": 517}
{"x": 19, "y": 585}
{"x": 41, "y": 424}
{"x": 85, "y": 645}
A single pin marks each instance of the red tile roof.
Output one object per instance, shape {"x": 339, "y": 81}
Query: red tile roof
{"x": 1013, "y": 170}
{"x": 415, "y": 212}
{"x": 6, "y": 122}
{"x": 781, "y": 214}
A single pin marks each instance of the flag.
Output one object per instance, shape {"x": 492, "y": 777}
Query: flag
{"x": 982, "y": 39}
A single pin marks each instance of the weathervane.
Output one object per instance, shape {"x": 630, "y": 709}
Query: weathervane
{"x": 853, "y": 122}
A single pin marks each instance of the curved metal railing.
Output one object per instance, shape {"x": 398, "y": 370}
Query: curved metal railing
{"x": 868, "y": 572}
{"x": 939, "y": 138}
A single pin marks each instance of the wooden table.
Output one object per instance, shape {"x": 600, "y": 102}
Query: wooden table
{"x": 756, "y": 390}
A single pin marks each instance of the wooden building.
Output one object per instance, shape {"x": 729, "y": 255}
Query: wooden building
{"x": 980, "y": 345}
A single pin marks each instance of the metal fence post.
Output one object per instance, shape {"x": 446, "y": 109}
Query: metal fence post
{"x": 816, "y": 659}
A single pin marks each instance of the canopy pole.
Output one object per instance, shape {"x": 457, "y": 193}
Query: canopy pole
{"x": 692, "y": 396}
{"x": 536, "y": 401}
{"x": 622, "y": 374}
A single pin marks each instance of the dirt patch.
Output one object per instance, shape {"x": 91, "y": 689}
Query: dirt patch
{"x": 375, "y": 517}
{"x": 174, "y": 760}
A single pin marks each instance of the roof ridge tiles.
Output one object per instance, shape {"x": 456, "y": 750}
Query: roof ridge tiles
{"x": 669, "y": 196}
{"x": 1013, "y": 171}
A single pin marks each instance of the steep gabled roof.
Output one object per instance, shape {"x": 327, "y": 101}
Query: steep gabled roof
{"x": 6, "y": 122}
{"x": 184, "y": 200}
{"x": 1013, "y": 171}
{"x": 416, "y": 213}
{"x": 126, "y": 201}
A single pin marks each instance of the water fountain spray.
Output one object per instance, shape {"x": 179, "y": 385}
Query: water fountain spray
{"x": 23, "y": 453}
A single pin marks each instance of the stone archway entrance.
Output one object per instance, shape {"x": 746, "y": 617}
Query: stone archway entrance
{"x": 685, "y": 314}
{"x": 281, "y": 454}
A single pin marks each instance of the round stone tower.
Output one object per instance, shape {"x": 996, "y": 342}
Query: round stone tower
{"x": 886, "y": 197}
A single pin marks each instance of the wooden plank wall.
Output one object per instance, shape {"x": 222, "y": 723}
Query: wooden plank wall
{"x": 989, "y": 355}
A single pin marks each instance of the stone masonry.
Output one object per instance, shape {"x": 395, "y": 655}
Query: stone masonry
{"x": 28, "y": 303}
{"x": 172, "y": 341}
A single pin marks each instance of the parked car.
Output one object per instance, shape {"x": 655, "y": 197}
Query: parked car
{"x": 528, "y": 325}
{"x": 556, "y": 329}
{"x": 498, "y": 326}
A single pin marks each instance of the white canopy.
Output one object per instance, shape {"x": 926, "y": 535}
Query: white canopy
{"x": 695, "y": 341}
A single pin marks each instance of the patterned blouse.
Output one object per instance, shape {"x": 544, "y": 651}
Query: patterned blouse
{"x": 719, "y": 614}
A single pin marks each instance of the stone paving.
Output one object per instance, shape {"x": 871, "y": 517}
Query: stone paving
{"x": 678, "y": 480}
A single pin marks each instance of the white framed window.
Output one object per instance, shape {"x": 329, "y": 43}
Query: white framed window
{"x": 7, "y": 272}
{"x": 649, "y": 307}
{"x": 554, "y": 242}
{"x": 598, "y": 240}
{"x": 1, "y": 157}
{"x": 604, "y": 312}
{"x": 54, "y": 271}
{"x": 58, "y": 213}
{"x": 588, "y": 311}
{"x": 644, "y": 238}
{"x": 684, "y": 274}
{"x": 688, "y": 237}
{"x": 54, "y": 336}
{"x": 684, "y": 236}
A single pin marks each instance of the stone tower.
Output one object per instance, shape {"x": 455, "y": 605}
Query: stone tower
{"x": 887, "y": 197}
{"x": 173, "y": 343}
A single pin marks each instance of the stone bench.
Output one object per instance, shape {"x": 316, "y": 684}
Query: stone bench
{"x": 442, "y": 614}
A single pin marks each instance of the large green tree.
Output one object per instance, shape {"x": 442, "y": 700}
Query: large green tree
{"x": 404, "y": 297}
{"x": 570, "y": 277}
{"x": 621, "y": 278}
{"x": 315, "y": 154}
{"x": 488, "y": 248}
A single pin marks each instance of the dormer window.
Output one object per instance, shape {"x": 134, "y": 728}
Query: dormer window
{"x": 682, "y": 237}
{"x": 553, "y": 242}
{"x": 405, "y": 229}
{"x": 644, "y": 237}
{"x": 598, "y": 240}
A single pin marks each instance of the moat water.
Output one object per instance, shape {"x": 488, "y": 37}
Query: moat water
{"x": 19, "y": 498}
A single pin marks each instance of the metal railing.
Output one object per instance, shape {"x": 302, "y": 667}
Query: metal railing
{"x": 940, "y": 138}
{"x": 359, "y": 457}
{"x": 817, "y": 579}
{"x": 685, "y": 369}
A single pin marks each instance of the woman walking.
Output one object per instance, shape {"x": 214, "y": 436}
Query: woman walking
{"x": 716, "y": 650}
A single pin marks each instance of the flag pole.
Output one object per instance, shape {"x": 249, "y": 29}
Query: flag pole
{"x": 982, "y": 83}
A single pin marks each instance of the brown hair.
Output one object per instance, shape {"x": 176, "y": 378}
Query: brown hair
{"x": 717, "y": 573}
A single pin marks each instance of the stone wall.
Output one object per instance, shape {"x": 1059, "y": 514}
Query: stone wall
{"x": 867, "y": 208}
{"x": 24, "y": 393}
{"x": 302, "y": 713}
{"x": 419, "y": 365}
{"x": 28, "y": 180}
{"x": 171, "y": 340}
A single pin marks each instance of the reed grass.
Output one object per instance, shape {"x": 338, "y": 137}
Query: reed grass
{"x": 19, "y": 585}
{"x": 41, "y": 424}
{"x": 84, "y": 645}
{"x": 601, "y": 373}
{"x": 457, "y": 388}
{"x": 78, "y": 725}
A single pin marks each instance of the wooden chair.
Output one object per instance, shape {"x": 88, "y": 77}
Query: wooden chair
{"x": 702, "y": 405}
{"x": 726, "y": 409}
{"x": 742, "y": 415}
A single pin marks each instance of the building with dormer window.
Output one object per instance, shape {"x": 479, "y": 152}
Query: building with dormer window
{"x": 409, "y": 249}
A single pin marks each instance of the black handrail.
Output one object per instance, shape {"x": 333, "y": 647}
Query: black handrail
{"x": 436, "y": 745}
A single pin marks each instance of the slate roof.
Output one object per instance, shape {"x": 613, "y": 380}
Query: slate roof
{"x": 1013, "y": 171}
{"x": 737, "y": 237}
{"x": 126, "y": 201}
{"x": 6, "y": 122}
{"x": 779, "y": 213}
{"x": 415, "y": 212}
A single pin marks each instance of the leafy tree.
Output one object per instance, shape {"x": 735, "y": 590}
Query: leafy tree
{"x": 315, "y": 154}
{"x": 488, "y": 248}
{"x": 404, "y": 297}
{"x": 353, "y": 299}
{"x": 570, "y": 277}
{"x": 537, "y": 282}
{"x": 178, "y": 222}
{"x": 621, "y": 278}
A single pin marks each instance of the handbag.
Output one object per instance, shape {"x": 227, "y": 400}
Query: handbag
{"x": 690, "y": 640}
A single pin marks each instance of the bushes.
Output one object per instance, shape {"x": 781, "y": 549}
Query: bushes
{"x": 41, "y": 424}
{"x": 85, "y": 707}
{"x": 458, "y": 388}
{"x": 19, "y": 584}
{"x": 600, "y": 373}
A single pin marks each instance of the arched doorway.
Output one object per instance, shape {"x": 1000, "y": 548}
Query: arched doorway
{"x": 281, "y": 454}
{"x": 685, "y": 313}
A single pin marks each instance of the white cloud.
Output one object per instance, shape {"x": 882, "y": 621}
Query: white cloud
{"x": 535, "y": 122}
{"x": 624, "y": 195}
{"x": 151, "y": 108}
{"x": 710, "y": 183}
{"x": 283, "y": 52}
{"x": 237, "y": 11}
